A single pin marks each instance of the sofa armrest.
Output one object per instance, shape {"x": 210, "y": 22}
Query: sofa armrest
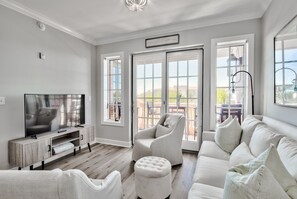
{"x": 78, "y": 186}
{"x": 208, "y": 136}
{"x": 146, "y": 133}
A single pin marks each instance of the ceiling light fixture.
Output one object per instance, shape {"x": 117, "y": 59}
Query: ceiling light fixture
{"x": 136, "y": 5}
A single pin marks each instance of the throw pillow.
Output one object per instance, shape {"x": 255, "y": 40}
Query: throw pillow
{"x": 248, "y": 127}
{"x": 228, "y": 137}
{"x": 171, "y": 120}
{"x": 240, "y": 155}
{"x": 259, "y": 183}
{"x": 262, "y": 137}
{"x": 162, "y": 130}
{"x": 224, "y": 123}
{"x": 272, "y": 161}
{"x": 287, "y": 149}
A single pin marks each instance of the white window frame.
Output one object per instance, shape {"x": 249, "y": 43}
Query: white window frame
{"x": 251, "y": 64}
{"x": 104, "y": 60}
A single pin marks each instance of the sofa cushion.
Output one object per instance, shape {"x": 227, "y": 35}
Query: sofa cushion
{"x": 227, "y": 121}
{"x": 228, "y": 136}
{"x": 211, "y": 171}
{"x": 211, "y": 149}
{"x": 203, "y": 191}
{"x": 162, "y": 130}
{"x": 241, "y": 155}
{"x": 262, "y": 137}
{"x": 271, "y": 160}
{"x": 258, "y": 183}
{"x": 248, "y": 126}
{"x": 171, "y": 120}
{"x": 287, "y": 149}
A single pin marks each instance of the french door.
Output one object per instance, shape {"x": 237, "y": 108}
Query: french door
{"x": 169, "y": 82}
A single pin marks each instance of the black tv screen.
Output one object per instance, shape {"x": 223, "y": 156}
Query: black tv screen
{"x": 51, "y": 112}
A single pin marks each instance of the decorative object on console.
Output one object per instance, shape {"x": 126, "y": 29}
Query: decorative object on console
{"x": 252, "y": 88}
{"x": 136, "y": 5}
{"x": 285, "y": 65}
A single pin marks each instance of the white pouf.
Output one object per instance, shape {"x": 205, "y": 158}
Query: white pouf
{"x": 153, "y": 177}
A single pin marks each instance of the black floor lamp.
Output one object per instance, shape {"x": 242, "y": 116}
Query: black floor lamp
{"x": 252, "y": 89}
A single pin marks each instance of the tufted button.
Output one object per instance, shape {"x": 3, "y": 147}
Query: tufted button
{"x": 152, "y": 166}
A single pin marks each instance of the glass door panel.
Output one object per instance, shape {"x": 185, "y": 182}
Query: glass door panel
{"x": 183, "y": 91}
{"x": 148, "y": 81}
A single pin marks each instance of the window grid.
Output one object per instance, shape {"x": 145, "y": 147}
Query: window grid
{"x": 112, "y": 91}
{"x": 225, "y": 100}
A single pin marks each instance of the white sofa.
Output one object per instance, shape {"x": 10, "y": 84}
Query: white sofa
{"x": 58, "y": 184}
{"x": 213, "y": 163}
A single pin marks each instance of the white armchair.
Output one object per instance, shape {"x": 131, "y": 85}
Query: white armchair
{"x": 167, "y": 146}
{"x": 71, "y": 184}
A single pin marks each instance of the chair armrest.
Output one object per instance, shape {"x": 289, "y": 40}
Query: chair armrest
{"x": 146, "y": 133}
{"x": 169, "y": 141}
{"x": 78, "y": 185}
{"x": 163, "y": 141}
{"x": 208, "y": 136}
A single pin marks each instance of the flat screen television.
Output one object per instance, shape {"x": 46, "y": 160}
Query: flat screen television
{"x": 51, "y": 112}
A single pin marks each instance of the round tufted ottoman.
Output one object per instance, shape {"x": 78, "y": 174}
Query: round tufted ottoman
{"x": 153, "y": 177}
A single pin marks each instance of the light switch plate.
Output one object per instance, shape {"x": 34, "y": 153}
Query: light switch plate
{"x": 2, "y": 100}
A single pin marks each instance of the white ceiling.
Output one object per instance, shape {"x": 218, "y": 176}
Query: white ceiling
{"x": 105, "y": 21}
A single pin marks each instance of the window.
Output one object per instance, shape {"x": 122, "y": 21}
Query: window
{"x": 112, "y": 89}
{"x": 230, "y": 56}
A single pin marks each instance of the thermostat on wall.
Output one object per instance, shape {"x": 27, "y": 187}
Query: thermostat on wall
{"x": 41, "y": 56}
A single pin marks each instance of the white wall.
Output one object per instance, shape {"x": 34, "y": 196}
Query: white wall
{"x": 70, "y": 67}
{"x": 189, "y": 37}
{"x": 276, "y": 17}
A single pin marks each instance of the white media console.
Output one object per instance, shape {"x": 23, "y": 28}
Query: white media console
{"x": 25, "y": 152}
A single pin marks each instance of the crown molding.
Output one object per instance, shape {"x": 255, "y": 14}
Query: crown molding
{"x": 174, "y": 28}
{"x": 39, "y": 17}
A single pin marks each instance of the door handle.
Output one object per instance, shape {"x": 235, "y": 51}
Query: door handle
{"x": 82, "y": 137}
{"x": 49, "y": 148}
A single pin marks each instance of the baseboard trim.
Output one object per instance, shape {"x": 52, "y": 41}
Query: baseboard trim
{"x": 113, "y": 142}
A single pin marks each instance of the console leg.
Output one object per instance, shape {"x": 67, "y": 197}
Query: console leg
{"x": 31, "y": 167}
{"x": 74, "y": 152}
{"x": 42, "y": 165}
{"x": 20, "y": 168}
{"x": 89, "y": 147}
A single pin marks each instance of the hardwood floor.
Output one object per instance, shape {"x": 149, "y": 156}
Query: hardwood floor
{"x": 105, "y": 158}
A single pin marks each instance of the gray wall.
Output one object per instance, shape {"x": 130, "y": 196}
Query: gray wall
{"x": 189, "y": 37}
{"x": 70, "y": 67}
{"x": 276, "y": 17}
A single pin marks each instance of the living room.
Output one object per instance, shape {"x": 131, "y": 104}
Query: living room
{"x": 55, "y": 50}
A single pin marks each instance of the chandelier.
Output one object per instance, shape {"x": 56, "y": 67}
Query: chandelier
{"x": 136, "y": 5}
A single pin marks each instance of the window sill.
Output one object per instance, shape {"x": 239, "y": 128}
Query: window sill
{"x": 111, "y": 123}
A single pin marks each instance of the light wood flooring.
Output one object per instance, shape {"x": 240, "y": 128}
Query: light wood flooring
{"x": 105, "y": 158}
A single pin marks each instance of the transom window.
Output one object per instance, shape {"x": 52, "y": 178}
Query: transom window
{"x": 112, "y": 90}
